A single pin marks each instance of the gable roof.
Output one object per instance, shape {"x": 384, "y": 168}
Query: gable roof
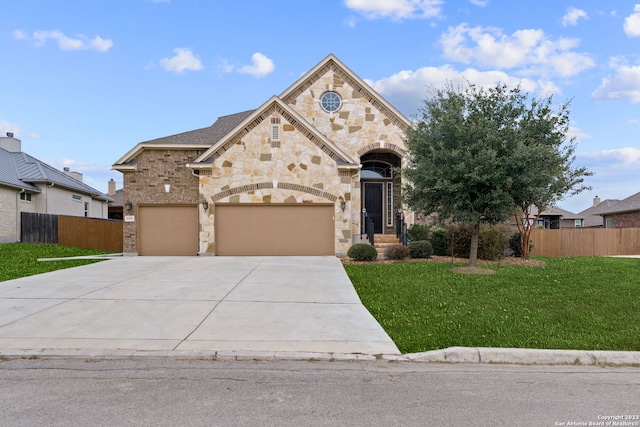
{"x": 630, "y": 204}
{"x": 592, "y": 216}
{"x": 331, "y": 62}
{"x": 20, "y": 170}
{"x": 199, "y": 138}
{"x": 257, "y": 116}
{"x": 555, "y": 211}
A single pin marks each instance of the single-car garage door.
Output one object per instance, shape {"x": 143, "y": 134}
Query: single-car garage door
{"x": 168, "y": 230}
{"x": 274, "y": 229}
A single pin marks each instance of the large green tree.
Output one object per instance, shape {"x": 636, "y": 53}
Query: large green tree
{"x": 483, "y": 155}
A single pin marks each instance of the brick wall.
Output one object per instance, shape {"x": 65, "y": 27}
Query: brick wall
{"x": 146, "y": 185}
{"x": 624, "y": 220}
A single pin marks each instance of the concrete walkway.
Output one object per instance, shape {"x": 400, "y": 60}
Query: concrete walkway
{"x": 190, "y": 306}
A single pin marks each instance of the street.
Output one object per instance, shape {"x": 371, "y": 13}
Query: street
{"x": 174, "y": 392}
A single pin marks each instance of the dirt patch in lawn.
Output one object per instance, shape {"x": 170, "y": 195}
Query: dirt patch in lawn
{"x": 472, "y": 270}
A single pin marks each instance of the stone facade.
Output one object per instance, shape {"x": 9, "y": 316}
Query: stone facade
{"x": 288, "y": 151}
{"x": 623, "y": 220}
{"x": 146, "y": 185}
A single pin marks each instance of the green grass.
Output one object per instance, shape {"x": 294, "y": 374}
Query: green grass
{"x": 586, "y": 303}
{"x": 21, "y": 259}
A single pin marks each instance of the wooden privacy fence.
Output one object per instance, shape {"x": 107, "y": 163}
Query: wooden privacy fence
{"x": 74, "y": 231}
{"x": 586, "y": 242}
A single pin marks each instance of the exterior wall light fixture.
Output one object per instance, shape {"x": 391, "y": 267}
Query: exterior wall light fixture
{"x": 343, "y": 204}
{"x": 128, "y": 205}
{"x": 205, "y": 204}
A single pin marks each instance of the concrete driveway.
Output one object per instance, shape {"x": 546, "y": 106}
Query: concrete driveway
{"x": 189, "y": 306}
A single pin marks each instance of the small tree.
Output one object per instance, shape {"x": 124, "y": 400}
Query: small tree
{"x": 475, "y": 153}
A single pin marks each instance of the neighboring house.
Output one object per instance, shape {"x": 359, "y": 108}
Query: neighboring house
{"x": 592, "y": 217}
{"x": 29, "y": 185}
{"x": 624, "y": 214}
{"x": 116, "y": 207}
{"x": 296, "y": 176}
{"x": 556, "y": 218}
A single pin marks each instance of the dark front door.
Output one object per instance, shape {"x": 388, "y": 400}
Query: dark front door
{"x": 373, "y": 204}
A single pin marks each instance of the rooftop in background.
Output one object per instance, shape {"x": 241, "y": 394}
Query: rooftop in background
{"x": 20, "y": 170}
{"x": 592, "y": 216}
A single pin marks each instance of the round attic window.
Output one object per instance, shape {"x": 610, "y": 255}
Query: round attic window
{"x": 330, "y": 102}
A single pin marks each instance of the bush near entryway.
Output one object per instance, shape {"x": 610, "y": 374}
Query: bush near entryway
{"x": 417, "y": 232}
{"x": 420, "y": 249}
{"x": 362, "y": 252}
{"x": 396, "y": 252}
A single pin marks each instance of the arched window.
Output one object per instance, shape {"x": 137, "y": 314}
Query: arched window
{"x": 376, "y": 170}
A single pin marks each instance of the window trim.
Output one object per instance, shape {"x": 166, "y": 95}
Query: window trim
{"x": 332, "y": 102}
{"x": 26, "y": 197}
{"x": 389, "y": 204}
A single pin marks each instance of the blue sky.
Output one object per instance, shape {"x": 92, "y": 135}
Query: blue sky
{"x": 83, "y": 82}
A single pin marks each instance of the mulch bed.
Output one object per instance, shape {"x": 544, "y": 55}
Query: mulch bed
{"x": 459, "y": 269}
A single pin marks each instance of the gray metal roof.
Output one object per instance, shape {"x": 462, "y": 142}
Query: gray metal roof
{"x": 209, "y": 135}
{"x": 630, "y": 204}
{"x": 8, "y": 173}
{"x": 24, "y": 171}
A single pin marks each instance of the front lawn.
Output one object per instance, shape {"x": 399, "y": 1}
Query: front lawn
{"x": 21, "y": 259}
{"x": 588, "y": 303}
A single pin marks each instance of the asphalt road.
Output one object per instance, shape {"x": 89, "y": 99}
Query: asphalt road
{"x": 173, "y": 392}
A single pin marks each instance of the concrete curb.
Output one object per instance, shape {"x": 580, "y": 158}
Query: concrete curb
{"x": 525, "y": 356}
{"x": 519, "y": 356}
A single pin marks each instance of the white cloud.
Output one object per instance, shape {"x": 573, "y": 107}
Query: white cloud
{"x": 224, "y": 66}
{"x": 261, "y": 66}
{"x": 65, "y": 42}
{"x": 407, "y": 89}
{"x": 634, "y": 121}
{"x": 528, "y": 51}
{"x": 577, "y": 133}
{"x": 625, "y": 84}
{"x": 18, "y": 132}
{"x": 6, "y": 126}
{"x": 632, "y": 23}
{"x": 396, "y": 9}
{"x": 480, "y": 3}
{"x": 617, "y": 159}
{"x": 183, "y": 60}
{"x": 572, "y": 16}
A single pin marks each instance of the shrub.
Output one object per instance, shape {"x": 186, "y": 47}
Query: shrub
{"x": 396, "y": 252}
{"x": 459, "y": 236}
{"x": 491, "y": 244}
{"x": 420, "y": 249}
{"x": 440, "y": 243}
{"x": 362, "y": 252}
{"x": 514, "y": 245}
{"x": 418, "y": 232}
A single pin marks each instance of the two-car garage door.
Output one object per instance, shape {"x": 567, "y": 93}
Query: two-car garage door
{"x": 268, "y": 229}
{"x": 273, "y": 229}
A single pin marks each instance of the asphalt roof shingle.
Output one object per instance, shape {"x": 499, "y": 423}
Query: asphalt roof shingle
{"x": 631, "y": 203}
{"x": 209, "y": 135}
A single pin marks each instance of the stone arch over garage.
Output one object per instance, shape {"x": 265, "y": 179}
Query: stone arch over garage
{"x": 278, "y": 185}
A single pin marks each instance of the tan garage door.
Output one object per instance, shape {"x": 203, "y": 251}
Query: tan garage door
{"x": 168, "y": 230}
{"x": 274, "y": 230}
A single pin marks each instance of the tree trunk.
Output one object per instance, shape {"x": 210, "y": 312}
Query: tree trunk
{"x": 473, "y": 252}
